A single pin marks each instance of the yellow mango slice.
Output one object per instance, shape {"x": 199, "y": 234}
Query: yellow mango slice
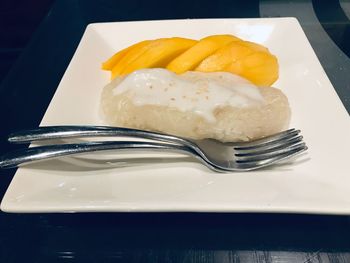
{"x": 204, "y": 48}
{"x": 134, "y": 52}
{"x": 254, "y": 46}
{"x": 244, "y": 58}
{"x": 213, "y": 53}
{"x": 112, "y": 61}
{"x": 261, "y": 68}
{"x": 159, "y": 53}
{"x": 224, "y": 57}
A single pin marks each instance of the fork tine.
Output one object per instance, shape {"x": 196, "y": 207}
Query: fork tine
{"x": 269, "y": 155}
{"x": 269, "y": 148}
{"x": 248, "y": 166}
{"x": 267, "y": 141}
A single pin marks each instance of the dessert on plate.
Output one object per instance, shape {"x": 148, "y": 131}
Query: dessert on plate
{"x": 218, "y": 87}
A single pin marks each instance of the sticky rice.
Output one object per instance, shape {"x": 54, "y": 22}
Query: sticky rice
{"x": 195, "y": 105}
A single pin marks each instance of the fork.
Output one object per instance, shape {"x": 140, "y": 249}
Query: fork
{"x": 222, "y": 157}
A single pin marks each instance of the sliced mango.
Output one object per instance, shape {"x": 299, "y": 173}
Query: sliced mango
{"x": 193, "y": 56}
{"x": 133, "y": 53}
{"x": 261, "y": 68}
{"x": 213, "y": 53}
{"x": 254, "y": 46}
{"x": 109, "y": 64}
{"x": 224, "y": 57}
{"x": 112, "y": 61}
{"x": 159, "y": 53}
{"x": 247, "y": 59}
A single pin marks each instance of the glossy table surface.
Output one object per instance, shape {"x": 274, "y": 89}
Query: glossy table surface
{"x": 27, "y": 89}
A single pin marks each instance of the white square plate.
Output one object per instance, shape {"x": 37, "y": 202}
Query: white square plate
{"x": 319, "y": 182}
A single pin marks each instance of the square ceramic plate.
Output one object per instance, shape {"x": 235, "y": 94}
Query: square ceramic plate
{"x": 318, "y": 182}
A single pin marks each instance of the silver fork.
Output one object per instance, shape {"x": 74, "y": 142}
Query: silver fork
{"x": 222, "y": 157}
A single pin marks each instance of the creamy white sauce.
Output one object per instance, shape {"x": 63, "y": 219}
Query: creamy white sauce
{"x": 198, "y": 92}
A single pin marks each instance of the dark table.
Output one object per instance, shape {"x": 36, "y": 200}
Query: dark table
{"x": 164, "y": 237}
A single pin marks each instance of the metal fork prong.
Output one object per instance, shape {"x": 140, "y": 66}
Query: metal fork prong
{"x": 248, "y": 166}
{"x": 281, "y": 144}
{"x": 268, "y": 155}
{"x": 268, "y": 141}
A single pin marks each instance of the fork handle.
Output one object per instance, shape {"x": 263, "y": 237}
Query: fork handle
{"x": 28, "y": 155}
{"x": 59, "y": 132}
